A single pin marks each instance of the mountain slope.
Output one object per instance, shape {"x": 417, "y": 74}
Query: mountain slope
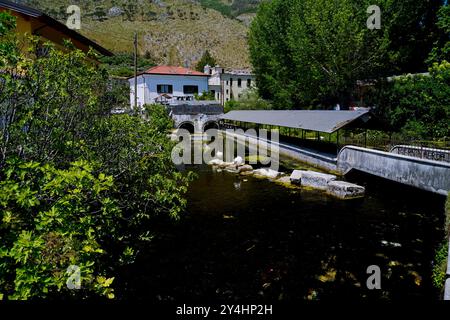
{"x": 170, "y": 31}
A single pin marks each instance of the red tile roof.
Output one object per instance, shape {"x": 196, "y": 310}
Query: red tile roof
{"x": 176, "y": 71}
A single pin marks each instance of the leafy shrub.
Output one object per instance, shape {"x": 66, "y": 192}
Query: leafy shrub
{"x": 419, "y": 105}
{"x": 440, "y": 266}
{"x": 250, "y": 100}
{"x": 205, "y": 96}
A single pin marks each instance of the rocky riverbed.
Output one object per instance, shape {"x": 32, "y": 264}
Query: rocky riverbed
{"x": 296, "y": 179}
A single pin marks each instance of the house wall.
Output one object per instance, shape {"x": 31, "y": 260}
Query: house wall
{"x": 231, "y": 88}
{"x": 27, "y": 26}
{"x": 147, "y": 86}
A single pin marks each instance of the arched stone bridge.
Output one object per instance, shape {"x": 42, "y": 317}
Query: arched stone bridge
{"x": 196, "y": 118}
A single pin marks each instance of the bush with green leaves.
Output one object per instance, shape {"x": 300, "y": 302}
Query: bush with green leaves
{"x": 250, "y": 100}
{"x": 417, "y": 105}
{"x": 52, "y": 219}
{"x": 79, "y": 186}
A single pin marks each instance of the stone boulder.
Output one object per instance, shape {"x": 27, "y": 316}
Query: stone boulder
{"x": 267, "y": 173}
{"x": 345, "y": 190}
{"x": 316, "y": 180}
{"x": 296, "y": 177}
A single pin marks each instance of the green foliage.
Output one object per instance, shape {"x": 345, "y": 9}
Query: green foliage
{"x": 218, "y": 6}
{"x": 7, "y": 23}
{"x": 206, "y": 59}
{"x": 250, "y": 100}
{"x": 8, "y": 45}
{"x": 312, "y": 52}
{"x": 48, "y": 110}
{"x": 419, "y": 105}
{"x": 440, "y": 266}
{"x": 306, "y": 52}
{"x": 79, "y": 186}
{"x": 205, "y": 96}
{"x": 447, "y": 215}
{"x": 231, "y": 8}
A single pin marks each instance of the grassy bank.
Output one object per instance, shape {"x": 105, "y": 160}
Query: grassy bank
{"x": 441, "y": 256}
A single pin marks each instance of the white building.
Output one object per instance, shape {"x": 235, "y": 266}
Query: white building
{"x": 229, "y": 85}
{"x": 168, "y": 84}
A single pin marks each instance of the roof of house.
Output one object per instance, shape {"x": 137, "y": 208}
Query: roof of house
{"x": 174, "y": 71}
{"x": 44, "y": 18}
{"x": 315, "y": 120}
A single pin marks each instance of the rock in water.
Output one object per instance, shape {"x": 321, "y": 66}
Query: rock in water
{"x": 238, "y": 161}
{"x": 345, "y": 190}
{"x": 316, "y": 180}
{"x": 284, "y": 181}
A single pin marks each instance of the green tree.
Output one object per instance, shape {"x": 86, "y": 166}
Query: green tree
{"x": 307, "y": 52}
{"x": 122, "y": 64}
{"x": 206, "y": 59}
{"x": 410, "y": 27}
{"x": 52, "y": 219}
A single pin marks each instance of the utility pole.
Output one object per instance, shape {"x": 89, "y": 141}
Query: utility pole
{"x": 135, "y": 72}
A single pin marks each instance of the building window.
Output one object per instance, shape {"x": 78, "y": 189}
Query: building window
{"x": 228, "y": 91}
{"x": 190, "y": 89}
{"x": 231, "y": 82}
{"x": 249, "y": 83}
{"x": 164, "y": 88}
{"x": 239, "y": 83}
{"x": 227, "y": 82}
